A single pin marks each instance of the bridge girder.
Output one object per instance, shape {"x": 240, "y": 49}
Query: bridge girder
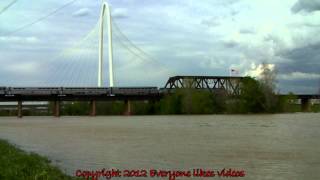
{"x": 228, "y": 84}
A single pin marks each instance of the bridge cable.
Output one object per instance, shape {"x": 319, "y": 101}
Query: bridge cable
{"x": 41, "y": 18}
{"x": 134, "y": 53}
{"x": 7, "y": 6}
{"x": 148, "y": 57}
{"x": 71, "y": 54}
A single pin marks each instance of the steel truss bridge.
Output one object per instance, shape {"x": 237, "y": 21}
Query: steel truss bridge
{"x": 216, "y": 84}
{"x": 224, "y": 84}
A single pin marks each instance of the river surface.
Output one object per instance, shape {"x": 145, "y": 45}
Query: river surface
{"x": 284, "y": 146}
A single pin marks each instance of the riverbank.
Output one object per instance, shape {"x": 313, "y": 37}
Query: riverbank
{"x": 18, "y": 164}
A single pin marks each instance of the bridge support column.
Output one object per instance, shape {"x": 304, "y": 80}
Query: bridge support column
{"x": 93, "y": 108}
{"x": 305, "y": 105}
{"x": 127, "y": 105}
{"x": 56, "y": 108}
{"x": 19, "y": 109}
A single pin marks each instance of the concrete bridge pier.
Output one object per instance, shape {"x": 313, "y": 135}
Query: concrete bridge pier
{"x": 127, "y": 105}
{"x": 93, "y": 108}
{"x": 56, "y": 108}
{"x": 305, "y": 105}
{"x": 19, "y": 109}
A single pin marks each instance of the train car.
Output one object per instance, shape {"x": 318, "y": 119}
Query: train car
{"x": 86, "y": 91}
{"x": 33, "y": 90}
{"x": 3, "y": 90}
{"x": 131, "y": 91}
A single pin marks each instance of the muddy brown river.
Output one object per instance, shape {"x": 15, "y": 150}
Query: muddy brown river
{"x": 284, "y": 146}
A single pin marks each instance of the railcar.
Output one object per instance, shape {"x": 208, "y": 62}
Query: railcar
{"x": 134, "y": 91}
{"x": 85, "y": 91}
{"x": 2, "y": 90}
{"x": 33, "y": 90}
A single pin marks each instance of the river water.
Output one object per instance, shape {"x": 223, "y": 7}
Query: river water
{"x": 284, "y": 146}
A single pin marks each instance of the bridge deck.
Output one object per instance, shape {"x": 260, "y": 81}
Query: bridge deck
{"x": 304, "y": 96}
{"x": 77, "y": 93}
{"x": 94, "y": 93}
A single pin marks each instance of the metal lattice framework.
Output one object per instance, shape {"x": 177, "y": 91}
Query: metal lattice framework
{"x": 226, "y": 84}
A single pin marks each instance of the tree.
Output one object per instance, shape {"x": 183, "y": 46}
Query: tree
{"x": 268, "y": 85}
{"x": 200, "y": 101}
{"x": 252, "y": 98}
{"x": 191, "y": 101}
{"x": 268, "y": 77}
{"x": 171, "y": 104}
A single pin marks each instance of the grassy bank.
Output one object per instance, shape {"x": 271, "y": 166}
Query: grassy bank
{"x": 17, "y": 164}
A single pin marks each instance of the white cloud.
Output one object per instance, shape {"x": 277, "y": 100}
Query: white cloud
{"x": 189, "y": 36}
{"x": 81, "y": 12}
{"x": 256, "y": 70}
{"x": 120, "y": 13}
{"x": 211, "y": 22}
{"x": 18, "y": 39}
{"x": 24, "y": 68}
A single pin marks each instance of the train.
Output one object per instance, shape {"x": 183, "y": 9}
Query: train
{"x": 45, "y": 91}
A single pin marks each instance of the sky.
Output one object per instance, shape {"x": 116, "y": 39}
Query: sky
{"x": 181, "y": 37}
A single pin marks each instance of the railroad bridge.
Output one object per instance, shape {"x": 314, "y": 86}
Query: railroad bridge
{"x": 215, "y": 84}
{"x": 226, "y": 84}
{"x": 230, "y": 85}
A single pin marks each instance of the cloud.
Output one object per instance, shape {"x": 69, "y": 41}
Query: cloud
{"x": 120, "y": 13}
{"x": 211, "y": 22}
{"x": 81, "y": 12}
{"x": 301, "y": 59}
{"x": 23, "y": 67}
{"x": 257, "y": 70}
{"x": 299, "y": 76}
{"x": 247, "y": 31}
{"x": 230, "y": 44}
{"x": 18, "y": 39}
{"x": 191, "y": 37}
{"x": 306, "y": 6}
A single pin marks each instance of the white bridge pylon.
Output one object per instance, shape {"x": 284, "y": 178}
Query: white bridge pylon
{"x": 105, "y": 10}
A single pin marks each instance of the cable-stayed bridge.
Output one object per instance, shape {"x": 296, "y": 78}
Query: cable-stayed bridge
{"x": 80, "y": 73}
{"x": 86, "y": 63}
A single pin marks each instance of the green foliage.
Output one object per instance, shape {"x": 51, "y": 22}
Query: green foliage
{"x": 8, "y": 113}
{"x": 110, "y": 107}
{"x": 258, "y": 97}
{"x": 287, "y": 103}
{"x": 315, "y": 108}
{"x": 191, "y": 101}
{"x": 252, "y": 99}
{"x": 16, "y": 164}
{"x": 143, "y": 107}
{"x": 201, "y": 102}
{"x": 75, "y": 108}
{"x": 255, "y": 97}
{"x": 171, "y": 104}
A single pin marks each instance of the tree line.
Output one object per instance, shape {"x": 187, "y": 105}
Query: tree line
{"x": 256, "y": 96}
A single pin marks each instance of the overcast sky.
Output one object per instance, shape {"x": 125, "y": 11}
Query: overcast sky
{"x": 183, "y": 37}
